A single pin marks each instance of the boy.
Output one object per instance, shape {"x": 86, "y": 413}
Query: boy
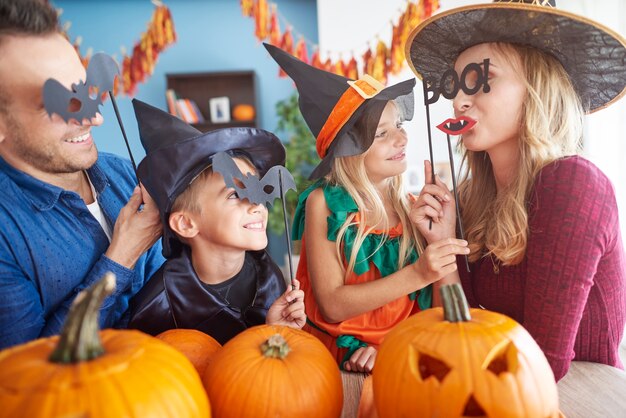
{"x": 217, "y": 278}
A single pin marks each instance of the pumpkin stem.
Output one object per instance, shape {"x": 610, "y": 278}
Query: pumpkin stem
{"x": 275, "y": 347}
{"x": 455, "y": 307}
{"x": 80, "y": 337}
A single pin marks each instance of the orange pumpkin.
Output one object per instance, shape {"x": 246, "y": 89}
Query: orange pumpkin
{"x": 243, "y": 112}
{"x": 197, "y": 346}
{"x": 87, "y": 373}
{"x": 274, "y": 371}
{"x": 442, "y": 362}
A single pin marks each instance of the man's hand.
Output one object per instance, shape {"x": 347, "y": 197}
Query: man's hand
{"x": 135, "y": 231}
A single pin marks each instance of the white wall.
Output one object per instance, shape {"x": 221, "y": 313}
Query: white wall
{"x": 347, "y": 25}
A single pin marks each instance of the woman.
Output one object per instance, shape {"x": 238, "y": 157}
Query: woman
{"x": 542, "y": 222}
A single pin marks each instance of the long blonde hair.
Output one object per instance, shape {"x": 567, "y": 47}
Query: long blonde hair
{"x": 550, "y": 128}
{"x": 350, "y": 173}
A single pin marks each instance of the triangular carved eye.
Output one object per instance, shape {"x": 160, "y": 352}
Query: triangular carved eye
{"x": 473, "y": 408}
{"x": 502, "y": 359}
{"x": 429, "y": 366}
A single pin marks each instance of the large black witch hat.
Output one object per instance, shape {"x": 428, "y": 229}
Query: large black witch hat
{"x": 177, "y": 152}
{"x": 594, "y": 56}
{"x": 331, "y": 104}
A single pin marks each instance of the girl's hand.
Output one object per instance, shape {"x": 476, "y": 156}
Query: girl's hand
{"x": 288, "y": 309}
{"x": 362, "y": 360}
{"x": 436, "y": 203}
{"x": 439, "y": 259}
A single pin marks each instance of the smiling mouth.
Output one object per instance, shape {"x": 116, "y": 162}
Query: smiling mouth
{"x": 457, "y": 126}
{"x": 256, "y": 226}
{"x": 78, "y": 139}
{"x": 398, "y": 157}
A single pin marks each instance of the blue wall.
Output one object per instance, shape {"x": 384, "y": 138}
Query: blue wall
{"x": 212, "y": 36}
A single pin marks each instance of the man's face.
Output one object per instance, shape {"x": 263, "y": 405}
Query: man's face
{"x": 30, "y": 140}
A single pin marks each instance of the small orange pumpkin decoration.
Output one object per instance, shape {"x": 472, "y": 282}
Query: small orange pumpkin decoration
{"x": 444, "y": 363}
{"x": 87, "y": 373}
{"x": 197, "y": 346}
{"x": 243, "y": 112}
{"x": 272, "y": 371}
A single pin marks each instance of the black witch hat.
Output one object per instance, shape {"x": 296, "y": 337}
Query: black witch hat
{"x": 593, "y": 55}
{"x": 176, "y": 153}
{"x": 331, "y": 104}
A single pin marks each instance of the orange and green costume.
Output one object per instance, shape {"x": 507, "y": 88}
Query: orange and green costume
{"x": 369, "y": 328}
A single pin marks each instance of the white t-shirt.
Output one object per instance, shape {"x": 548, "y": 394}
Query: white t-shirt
{"x": 97, "y": 213}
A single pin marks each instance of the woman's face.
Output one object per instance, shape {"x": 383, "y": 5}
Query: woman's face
{"x": 386, "y": 157}
{"x": 498, "y": 112}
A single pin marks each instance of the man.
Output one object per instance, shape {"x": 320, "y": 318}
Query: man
{"x": 64, "y": 220}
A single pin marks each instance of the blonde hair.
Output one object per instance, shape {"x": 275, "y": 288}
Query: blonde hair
{"x": 550, "y": 128}
{"x": 350, "y": 173}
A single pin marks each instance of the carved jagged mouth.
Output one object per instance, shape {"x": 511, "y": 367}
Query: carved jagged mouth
{"x": 457, "y": 126}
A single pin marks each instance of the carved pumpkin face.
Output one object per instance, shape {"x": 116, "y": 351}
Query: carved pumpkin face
{"x": 489, "y": 366}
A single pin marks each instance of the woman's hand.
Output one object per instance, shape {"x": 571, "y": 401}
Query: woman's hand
{"x": 439, "y": 259}
{"x": 435, "y": 203}
{"x": 362, "y": 360}
{"x": 288, "y": 309}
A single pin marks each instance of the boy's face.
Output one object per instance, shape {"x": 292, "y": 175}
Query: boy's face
{"x": 226, "y": 221}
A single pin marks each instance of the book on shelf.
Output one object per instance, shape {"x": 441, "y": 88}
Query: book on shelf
{"x": 171, "y": 98}
{"x": 196, "y": 111}
{"x": 188, "y": 111}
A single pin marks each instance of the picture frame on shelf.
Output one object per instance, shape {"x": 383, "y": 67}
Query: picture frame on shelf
{"x": 219, "y": 109}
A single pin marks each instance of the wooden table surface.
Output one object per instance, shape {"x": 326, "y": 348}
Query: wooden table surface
{"x": 593, "y": 390}
{"x": 588, "y": 390}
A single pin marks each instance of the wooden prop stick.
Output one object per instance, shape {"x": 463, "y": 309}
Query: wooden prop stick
{"x": 289, "y": 256}
{"x": 456, "y": 197}
{"x": 430, "y": 141}
{"x": 119, "y": 121}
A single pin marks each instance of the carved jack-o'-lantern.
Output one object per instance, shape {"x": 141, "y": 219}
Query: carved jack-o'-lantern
{"x": 483, "y": 366}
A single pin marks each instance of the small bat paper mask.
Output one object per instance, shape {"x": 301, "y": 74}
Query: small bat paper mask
{"x": 78, "y": 104}
{"x": 249, "y": 186}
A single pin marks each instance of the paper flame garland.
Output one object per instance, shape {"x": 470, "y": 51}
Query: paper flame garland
{"x": 379, "y": 61}
{"x": 139, "y": 66}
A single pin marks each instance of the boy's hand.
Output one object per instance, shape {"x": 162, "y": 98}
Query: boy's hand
{"x": 288, "y": 309}
{"x": 362, "y": 360}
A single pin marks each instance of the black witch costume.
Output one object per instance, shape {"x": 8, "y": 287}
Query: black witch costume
{"x": 176, "y": 153}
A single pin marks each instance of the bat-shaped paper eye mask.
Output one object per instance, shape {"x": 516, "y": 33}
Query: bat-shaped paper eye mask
{"x": 249, "y": 186}
{"x": 78, "y": 104}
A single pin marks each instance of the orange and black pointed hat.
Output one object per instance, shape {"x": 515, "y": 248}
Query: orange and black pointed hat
{"x": 332, "y": 104}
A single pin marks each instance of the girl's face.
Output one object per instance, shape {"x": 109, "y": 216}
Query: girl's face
{"x": 386, "y": 156}
{"x": 497, "y": 113}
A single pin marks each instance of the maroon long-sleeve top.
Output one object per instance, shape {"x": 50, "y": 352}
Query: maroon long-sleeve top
{"x": 569, "y": 291}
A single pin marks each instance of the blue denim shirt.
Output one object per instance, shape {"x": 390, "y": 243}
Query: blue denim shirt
{"x": 51, "y": 248}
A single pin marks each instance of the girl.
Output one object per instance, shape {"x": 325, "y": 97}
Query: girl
{"x": 542, "y": 222}
{"x": 354, "y": 221}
